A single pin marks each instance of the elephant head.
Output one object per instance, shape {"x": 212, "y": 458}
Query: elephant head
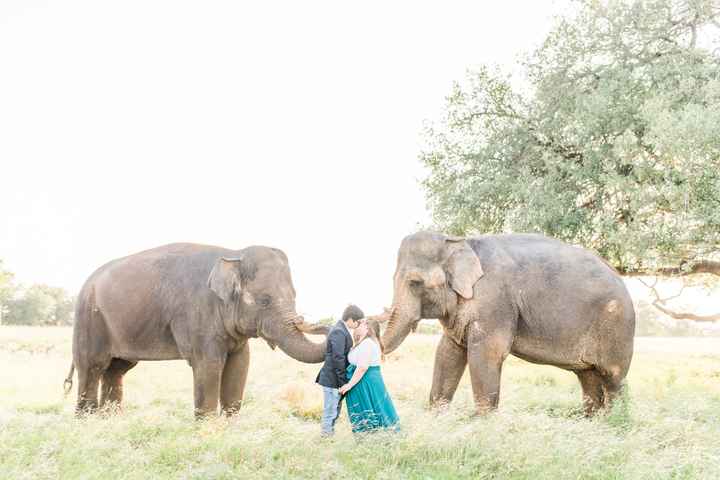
{"x": 258, "y": 296}
{"x": 434, "y": 273}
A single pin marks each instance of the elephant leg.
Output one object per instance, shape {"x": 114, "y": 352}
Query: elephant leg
{"x": 486, "y": 354}
{"x": 112, "y": 381}
{"x": 450, "y": 363}
{"x": 234, "y": 376}
{"x": 593, "y": 394}
{"x": 612, "y": 386}
{"x": 88, "y": 382}
{"x": 592, "y": 387}
{"x": 206, "y": 382}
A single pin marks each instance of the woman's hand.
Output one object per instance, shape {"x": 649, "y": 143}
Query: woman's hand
{"x": 357, "y": 376}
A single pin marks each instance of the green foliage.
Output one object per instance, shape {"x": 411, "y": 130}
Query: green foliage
{"x": 7, "y": 290}
{"x": 33, "y": 307}
{"x": 329, "y": 321}
{"x": 620, "y": 414}
{"x": 36, "y": 305}
{"x": 613, "y": 143}
{"x": 41, "y": 305}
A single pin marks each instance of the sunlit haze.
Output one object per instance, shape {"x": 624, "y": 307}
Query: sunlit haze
{"x": 128, "y": 125}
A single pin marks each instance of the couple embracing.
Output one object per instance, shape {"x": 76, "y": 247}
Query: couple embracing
{"x": 352, "y": 372}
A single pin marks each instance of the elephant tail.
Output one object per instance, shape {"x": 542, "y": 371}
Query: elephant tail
{"x": 67, "y": 385}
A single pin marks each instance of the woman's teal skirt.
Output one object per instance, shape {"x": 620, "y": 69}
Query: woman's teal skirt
{"x": 368, "y": 403}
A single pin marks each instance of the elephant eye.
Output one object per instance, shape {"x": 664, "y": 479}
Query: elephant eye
{"x": 264, "y": 300}
{"x": 416, "y": 283}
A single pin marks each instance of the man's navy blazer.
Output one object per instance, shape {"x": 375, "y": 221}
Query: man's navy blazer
{"x": 339, "y": 342}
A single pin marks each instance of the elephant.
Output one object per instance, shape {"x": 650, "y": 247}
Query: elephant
{"x": 540, "y": 299}
{"x": 186, "y": 301}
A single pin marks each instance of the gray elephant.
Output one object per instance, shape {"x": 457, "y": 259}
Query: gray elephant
{"x": 537, "y": 298}
{"x": 184, "y": 301}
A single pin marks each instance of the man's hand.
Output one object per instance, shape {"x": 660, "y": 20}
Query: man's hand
{"x": 344, "y": 389}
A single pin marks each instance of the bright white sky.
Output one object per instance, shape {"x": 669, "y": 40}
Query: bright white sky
{"x": 127, "y": 125}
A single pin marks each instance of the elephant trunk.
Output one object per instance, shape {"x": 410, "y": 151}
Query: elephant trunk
{"x": 406, "y": 309}
{"x": 398, "y": 327}
{"x": 313, "y": 329}
{"x": 296, "y": 344}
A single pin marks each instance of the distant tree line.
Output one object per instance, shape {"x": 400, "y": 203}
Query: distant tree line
{"x": 36, "y": 304}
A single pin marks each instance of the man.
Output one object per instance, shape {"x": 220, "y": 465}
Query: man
{"x": 332, "y": 375}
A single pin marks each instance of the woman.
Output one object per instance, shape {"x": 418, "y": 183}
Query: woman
{"x": 368, "y": 402}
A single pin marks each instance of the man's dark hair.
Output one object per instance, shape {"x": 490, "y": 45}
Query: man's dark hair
{"x": 352, "y": 312}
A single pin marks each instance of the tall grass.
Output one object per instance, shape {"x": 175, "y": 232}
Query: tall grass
{"x": 666, "y": 426}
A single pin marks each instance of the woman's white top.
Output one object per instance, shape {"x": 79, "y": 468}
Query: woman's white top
{"x": 366, "y": 354}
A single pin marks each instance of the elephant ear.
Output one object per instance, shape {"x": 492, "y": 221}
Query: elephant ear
{"x": 224, "y": 278}
{"x": 463, "y": 267}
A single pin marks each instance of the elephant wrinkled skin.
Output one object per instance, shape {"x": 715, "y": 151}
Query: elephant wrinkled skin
{"x": 185, "y": 301}
{"x": 537, "y": 298}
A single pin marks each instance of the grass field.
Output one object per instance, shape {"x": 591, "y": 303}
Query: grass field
{"x": 668, "y": 426}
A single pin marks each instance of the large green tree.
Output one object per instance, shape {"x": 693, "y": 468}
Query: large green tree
{"x": 611, "y": 140}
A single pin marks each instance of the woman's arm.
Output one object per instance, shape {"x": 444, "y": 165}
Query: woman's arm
{"x": 357, "y": 376}
{"x": 363, "y": 361}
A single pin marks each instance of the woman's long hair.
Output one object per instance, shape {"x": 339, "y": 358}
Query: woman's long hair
{"x": 374, "y": 333}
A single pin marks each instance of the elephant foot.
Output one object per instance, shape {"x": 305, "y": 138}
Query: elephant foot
{"x": 484, "y": 409}
{"x": 599, "y": 390}
{"x": 439, "y": 404}
{"x": 204, "y": 415}
{"x": 231, "y": 410}
{"x": 85, "y": 408}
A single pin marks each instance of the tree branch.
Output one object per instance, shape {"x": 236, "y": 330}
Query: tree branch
{"x": 703, "y": 266}
{"x": 686, "y": 315}
{"x": 693, "y": 38}
{"x": 659, "y": 303}
{"x": 490, "y": 113}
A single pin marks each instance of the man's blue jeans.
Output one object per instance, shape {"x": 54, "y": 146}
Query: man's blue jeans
{"x": 331, "y": 409}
